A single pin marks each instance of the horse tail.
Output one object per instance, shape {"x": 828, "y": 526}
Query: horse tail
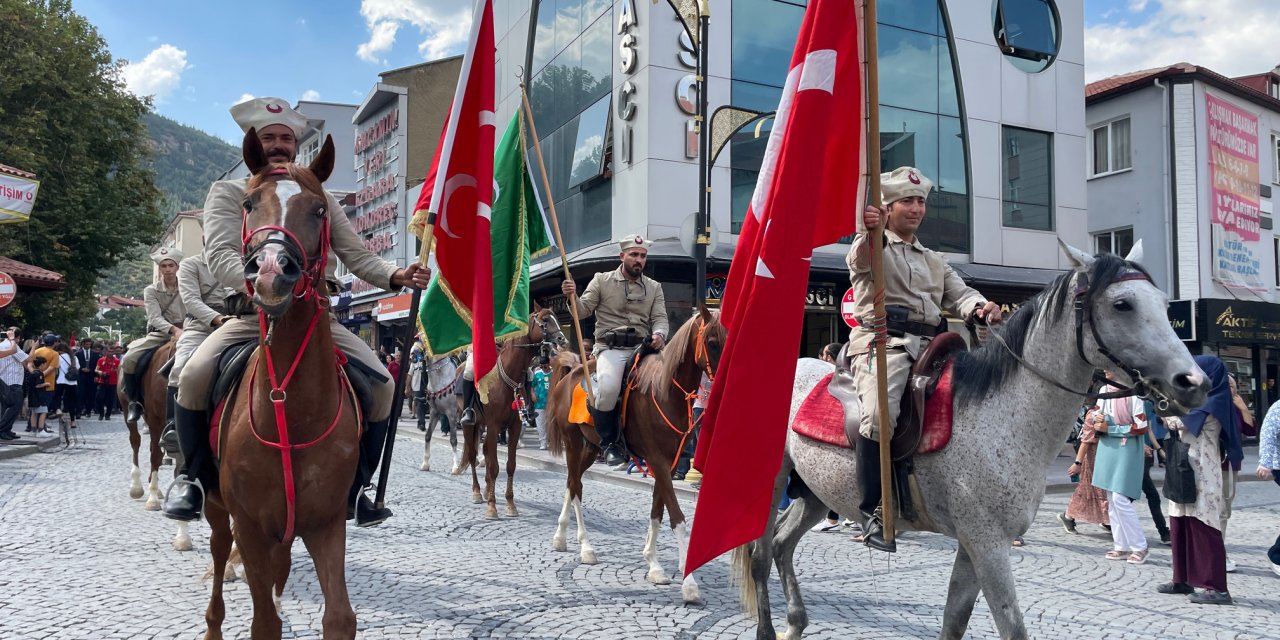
{"x": 741, "y": 573}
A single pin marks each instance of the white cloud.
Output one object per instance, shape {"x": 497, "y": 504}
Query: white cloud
{"x": 311, "y": 94}
{"x": 244, "y": 97}
{"x": 443, "y": 24}
{"x": 1226, "y": 36}
{"x": 159, "y": 74}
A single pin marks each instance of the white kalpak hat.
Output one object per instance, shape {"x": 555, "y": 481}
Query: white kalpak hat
{"x": 636, "y": 241}
{"x": 262, "y": 112}
{"x": 903, "y": 182}
{"x": 166, "y": 253}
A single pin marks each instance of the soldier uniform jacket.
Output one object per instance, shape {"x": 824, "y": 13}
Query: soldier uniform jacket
{"x": 203, "y": 297}
{"x": 164, "y": 308}
{"x": 618, "y": 302}
{"x": 914, "y": 277}
{"x": 223, "y": 252}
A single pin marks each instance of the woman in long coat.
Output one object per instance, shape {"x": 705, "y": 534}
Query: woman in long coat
{"x": 1199, "y": 553}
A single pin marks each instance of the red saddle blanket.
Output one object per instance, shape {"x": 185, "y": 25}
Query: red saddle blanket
{"x": 821, "y": 417}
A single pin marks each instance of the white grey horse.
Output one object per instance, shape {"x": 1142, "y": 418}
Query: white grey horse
{"x": 1011, "y": 419}
{"x": 443, "y": 377}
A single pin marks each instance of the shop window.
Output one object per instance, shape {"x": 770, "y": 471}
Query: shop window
{"x": 588, "y": 148}
{"x": 1119, "y": 242}
{"x": 1027, "y": 32}
{"x": 1028, "y": 179}
{"x": 1111, "y": 148}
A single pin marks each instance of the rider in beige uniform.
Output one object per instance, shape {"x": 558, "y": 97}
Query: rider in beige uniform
{"x": 164, "y": 321}
{"x": 279, "y": 127}
{"x": 204, "y": 299}
{"x": 629, "y": 308}
{"x": 919, "y": 287}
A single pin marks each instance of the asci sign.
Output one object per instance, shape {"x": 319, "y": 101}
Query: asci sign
{"x": 379, "y": 199}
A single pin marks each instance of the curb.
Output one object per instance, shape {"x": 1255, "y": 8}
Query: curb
{"x": 16, "y": 449}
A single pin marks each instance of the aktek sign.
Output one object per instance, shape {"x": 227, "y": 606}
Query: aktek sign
{"x": 1234, "y": 205}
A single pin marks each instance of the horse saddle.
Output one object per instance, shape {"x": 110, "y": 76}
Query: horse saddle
{"x": 167, "y": 367}
{"x": 145, "y": 360}
{"x": 913, "y": 433}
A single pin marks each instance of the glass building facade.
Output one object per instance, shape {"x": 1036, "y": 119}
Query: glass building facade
{"x": 921, "y": 115}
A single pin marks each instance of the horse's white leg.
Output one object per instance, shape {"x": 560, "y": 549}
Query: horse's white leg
{"x": 153, "y": 493}
{"x": 457, "y": 460}
{"x": 995, "y": 578}
{"x": 657, "y": 575}
{"x": 586, "y": 553}
{"x": 182, "y": 541}
{"x": 135, "y": 482}
{"x": 558, "y": 541}
{"x": 426, "y": 453}
{"x": 689, "y": 587}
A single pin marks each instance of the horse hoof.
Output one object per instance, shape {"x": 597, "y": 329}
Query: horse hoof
{"x": 587, "y": 556}
{"x": 512, "y": 512}
{"x": 135, "y": 493}
{"x": 182, "y": 543}
{"x": 692, "y": 594}
{"x": 476, "y": 499}
{"x": 425, "y": 466}
{"x": 658, "y": 576}
{"x": 153, "y": 504}
{"x": 491, "y": 514}
{"x": 456, "y": 471}
{"x": 559, "y": 544}
{"x": 229, "y": 574}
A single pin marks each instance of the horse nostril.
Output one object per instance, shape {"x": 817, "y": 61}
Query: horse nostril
{"x": 1186, "y": 381}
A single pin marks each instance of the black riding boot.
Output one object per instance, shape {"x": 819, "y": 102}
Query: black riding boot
{"x": 359, "y": 506}
{"x": 185, "y": 500}
{"x": 608, "y": 429}
{"x": 131, "y": 384}
{"x": 169, "y": 438}
{"x": 870, "y": 488}
{"x": 468, "y": 403}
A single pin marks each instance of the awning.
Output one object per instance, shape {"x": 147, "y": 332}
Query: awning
{"x": 31, "y": 276}
{"x": 995, "y": 275}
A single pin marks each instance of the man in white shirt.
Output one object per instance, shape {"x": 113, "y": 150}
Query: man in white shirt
{"x": 11, "y": 374}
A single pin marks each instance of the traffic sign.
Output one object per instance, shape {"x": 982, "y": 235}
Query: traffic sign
{"x": 8, "y": 289}
{"x": 846, "y": 308}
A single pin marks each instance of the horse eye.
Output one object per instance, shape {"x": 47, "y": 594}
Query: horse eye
{"x": 248, "y": 205}
{"x": 1123, "y": 305}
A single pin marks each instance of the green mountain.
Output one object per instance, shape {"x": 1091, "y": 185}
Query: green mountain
{"x": 186, "y": 161}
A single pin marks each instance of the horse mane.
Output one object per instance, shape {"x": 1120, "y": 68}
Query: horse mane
{"x": 298, "y": 173}
{"x": 654, "y": 375}
{"x": 987, "y": 369}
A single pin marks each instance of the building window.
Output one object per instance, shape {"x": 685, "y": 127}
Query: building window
{"x": 1275, "y": 158}
{"x": 1111, "y": 151}
{"x": 1119, "y": 242}
{"x": 310, "y": 149}
{"x": 1027, "y": 32}
{"x": 1028, "y": 179}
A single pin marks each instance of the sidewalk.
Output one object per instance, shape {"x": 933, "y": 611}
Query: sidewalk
{"x": 27, "y": 444}
{"x": 1056, "y": 478}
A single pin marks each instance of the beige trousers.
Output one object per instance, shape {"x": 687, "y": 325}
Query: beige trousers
{"x": 188, "y": 342}
{"x": 864, "y": 375}
{"x": 610, "y": 364}
{"x": 153, "y": 340}
{"x": 197, "y": 374}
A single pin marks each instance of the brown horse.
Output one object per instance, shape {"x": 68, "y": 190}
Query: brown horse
{"x": 153, "y": 399}
{"x": 497, "y": 415}
{"x": 656, "y": 421}
{"x": 271, "y": 425}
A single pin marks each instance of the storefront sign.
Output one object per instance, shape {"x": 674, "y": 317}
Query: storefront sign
{"x": 1182, "y": 317}
{"x": 17, "y": 197}
{"x": 820, "y": 296}
{"x": 1235, "y": 217}
{"x": 380, "y": 130}
{"x": 1241, "y": 321}
{"x": 627, "y": 57}
{"x": 687, "y": 91}
{"x": 393, "y": 308}
{"x": 379, "y": 149}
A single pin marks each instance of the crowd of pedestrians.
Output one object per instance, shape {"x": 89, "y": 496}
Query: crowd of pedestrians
{"x": 45, "y": 377}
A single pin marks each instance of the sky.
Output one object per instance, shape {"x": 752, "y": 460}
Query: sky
{"x": 198, "y": 58}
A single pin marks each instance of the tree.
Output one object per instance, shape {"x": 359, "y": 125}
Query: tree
{"x": 66, "y": 116}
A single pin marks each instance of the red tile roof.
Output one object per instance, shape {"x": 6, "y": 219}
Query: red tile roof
{"x": 117, "y": 302}
{"x": 4, "y": 168}
{"x": 26, "y": 275}
{"x": 1115, "y": 85}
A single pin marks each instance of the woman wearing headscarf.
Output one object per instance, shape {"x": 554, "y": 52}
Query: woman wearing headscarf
{"x": 1121, "y": 425}
{"x": 1199, "y": 553}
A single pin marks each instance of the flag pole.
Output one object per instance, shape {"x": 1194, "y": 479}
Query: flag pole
{"x": 877, "y": 270}
{"x": 555, "y": 226}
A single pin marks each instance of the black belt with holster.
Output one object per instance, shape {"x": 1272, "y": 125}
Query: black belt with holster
{"x": 898, "y": 325}
{"x": 623, "y": 338}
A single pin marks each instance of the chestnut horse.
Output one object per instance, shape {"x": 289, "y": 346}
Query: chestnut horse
{"x": 153, "y": 399}
{"x": 497, "y": 414}
{"x": 272, "y": 425}
{"x": 656, "y": 421}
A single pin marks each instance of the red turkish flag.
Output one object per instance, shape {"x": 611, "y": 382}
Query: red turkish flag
{"x": 807, "y": 195}
{"x": 463, "y": 200}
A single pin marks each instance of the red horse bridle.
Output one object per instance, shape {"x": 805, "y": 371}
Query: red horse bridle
{"x": 307, "y": 288}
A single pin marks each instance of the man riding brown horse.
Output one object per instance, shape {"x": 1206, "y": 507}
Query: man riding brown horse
{"x": 165, "y": 314}
{"x": 919, "y": 286}
{"x": 278, "y": 128}
{"x": 630, "y": 309}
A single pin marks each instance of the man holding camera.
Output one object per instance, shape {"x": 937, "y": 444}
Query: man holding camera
{"x": 630, "y": 309}
{"x": 919, "y": 286}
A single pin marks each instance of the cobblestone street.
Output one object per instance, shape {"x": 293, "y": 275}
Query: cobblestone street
{"x": 81, "y": 560}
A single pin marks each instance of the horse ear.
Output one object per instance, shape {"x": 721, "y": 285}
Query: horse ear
{"x": 254, "y": 157}
{"x": 703, "y": 313}
{"x": 322, "y": 166}
{"x": 1078, "y": 258}
{"x": 1135, "y": 254}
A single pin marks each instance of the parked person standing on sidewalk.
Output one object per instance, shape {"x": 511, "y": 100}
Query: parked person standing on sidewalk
{"x": 1122, "y": 427}
{"x": 44, "y": 360}
{"x": 86, "y": 382}
{"x": 1151, "y": 452}
{"x": 541, "y": 388}
{"x": 11, "y": 374}
{"x": 1088, "y": 503}
{"x": 66, "y": 398}
{"x": 1199, "y": 554}
{"x": 108, "y": 373}
{"x": 1268, "y": 466}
